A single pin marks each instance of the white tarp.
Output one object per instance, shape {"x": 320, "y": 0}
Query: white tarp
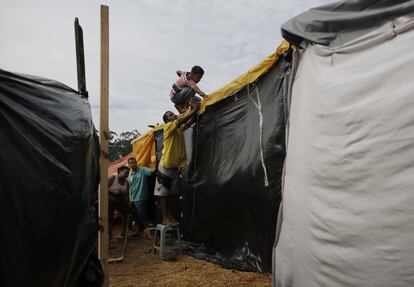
{"x": 348, "y": 196}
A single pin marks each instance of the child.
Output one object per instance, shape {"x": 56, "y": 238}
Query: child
{"x": 185, "y": 88}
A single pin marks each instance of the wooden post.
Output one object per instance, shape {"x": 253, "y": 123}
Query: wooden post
{"x": 80, "y": 59}
{"x": 103, "y": 134}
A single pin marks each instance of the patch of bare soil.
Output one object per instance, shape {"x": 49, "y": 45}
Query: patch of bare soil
{"x": 143, "y": 268}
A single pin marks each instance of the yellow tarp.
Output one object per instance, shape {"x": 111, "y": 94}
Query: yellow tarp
{"x": 143, "y": 147}
{"x": 248, "y": 77}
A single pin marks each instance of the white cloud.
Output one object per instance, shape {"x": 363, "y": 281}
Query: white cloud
{"x": 149, "y": 40}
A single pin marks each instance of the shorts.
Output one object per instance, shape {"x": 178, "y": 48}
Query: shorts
{"x": 183, "y": 96}
{"x": 160, "y": 188}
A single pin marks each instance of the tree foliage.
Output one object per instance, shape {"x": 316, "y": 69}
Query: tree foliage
{"x": 120, "y": 145}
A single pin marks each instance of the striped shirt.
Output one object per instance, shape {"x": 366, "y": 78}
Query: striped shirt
{"x": 182, "y": 82}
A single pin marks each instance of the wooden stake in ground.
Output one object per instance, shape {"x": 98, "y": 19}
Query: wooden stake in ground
{"x": 103, "y": 135}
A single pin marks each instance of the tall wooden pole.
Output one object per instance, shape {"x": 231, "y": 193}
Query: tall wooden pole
{"x": 103, "y": 134}
{"x": 80, "y": 59}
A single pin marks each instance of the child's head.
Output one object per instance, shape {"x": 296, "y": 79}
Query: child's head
{"x": 197, "y": 73}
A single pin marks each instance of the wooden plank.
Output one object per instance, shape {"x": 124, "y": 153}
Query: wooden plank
{"x": 80, "y": 59}
{"x": 103, "y": 134}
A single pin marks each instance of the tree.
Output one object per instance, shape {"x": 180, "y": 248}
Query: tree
{"x": 120, "y": 145}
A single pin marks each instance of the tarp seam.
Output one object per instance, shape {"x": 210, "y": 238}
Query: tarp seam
{"x": 258, "y": 106}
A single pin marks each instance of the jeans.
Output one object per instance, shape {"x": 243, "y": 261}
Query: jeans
{"x": 140, "y": 207}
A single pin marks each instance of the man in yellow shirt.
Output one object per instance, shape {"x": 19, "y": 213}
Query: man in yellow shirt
{"x": 174, "y": 157}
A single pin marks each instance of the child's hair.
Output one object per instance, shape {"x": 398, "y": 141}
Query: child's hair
{"x": 121, "y": 168}
{"x": 197, "y": 70}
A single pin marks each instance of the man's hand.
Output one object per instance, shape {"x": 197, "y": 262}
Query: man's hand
{"x": 196, "y": 106}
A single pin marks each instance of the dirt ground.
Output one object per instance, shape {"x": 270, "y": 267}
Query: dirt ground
{"x": 143, "y": 268}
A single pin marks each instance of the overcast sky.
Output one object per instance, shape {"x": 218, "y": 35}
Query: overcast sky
{"x": 149, "y": 41}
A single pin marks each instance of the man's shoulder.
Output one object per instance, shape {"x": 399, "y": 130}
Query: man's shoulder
{"x": 143, "y": 169}
{"x": 170, "y": 125}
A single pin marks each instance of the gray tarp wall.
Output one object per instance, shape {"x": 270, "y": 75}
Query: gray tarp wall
{"x": 348, "y": 196}
{"x": 231, "y": 187}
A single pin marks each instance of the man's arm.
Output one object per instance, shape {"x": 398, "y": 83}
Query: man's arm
{"x": 187, "y": 119}
{"x": 148, "y": 171}
{"x": 189, "y": 123}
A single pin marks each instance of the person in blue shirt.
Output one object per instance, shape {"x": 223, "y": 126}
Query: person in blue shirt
{"x": 138, "y": 192}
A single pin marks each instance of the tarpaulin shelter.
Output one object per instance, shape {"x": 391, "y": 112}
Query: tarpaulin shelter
{"x": 347, "y": 217}
{"x": 230, "y": 190}
{"x": 49, "y": 162}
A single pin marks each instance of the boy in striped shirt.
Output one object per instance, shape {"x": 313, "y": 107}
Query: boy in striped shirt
{"x": 185, "y": 88}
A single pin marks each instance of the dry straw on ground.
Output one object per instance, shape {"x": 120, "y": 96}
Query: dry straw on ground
{"x": 146, "y": 269}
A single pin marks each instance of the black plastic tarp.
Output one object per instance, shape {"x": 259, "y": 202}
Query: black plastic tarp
{"x": 229, "y": 208}
{"x": 339, "y": 22}
{"x": 49, "y": 168}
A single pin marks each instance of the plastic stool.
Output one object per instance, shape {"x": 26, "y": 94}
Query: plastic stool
{"x": 149, "y": 232}
{"x": 161, "y": 234}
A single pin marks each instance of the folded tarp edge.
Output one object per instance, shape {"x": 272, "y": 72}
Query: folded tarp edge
{"x": 337, "y": 23}
{"x": 246, "y": 78}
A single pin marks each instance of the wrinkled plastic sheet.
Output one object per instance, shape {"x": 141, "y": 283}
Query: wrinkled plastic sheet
{"x": 340, "y": 22}
{"x": 230, "y": 191}
{"x": 49, "y": 164}
{"x": 348, "y": 216}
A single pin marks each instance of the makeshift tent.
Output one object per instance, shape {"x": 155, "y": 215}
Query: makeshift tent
{"x": 347, "y": 212}
{"x": 49, "y": 159}
{"x": 230, "y": 190}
